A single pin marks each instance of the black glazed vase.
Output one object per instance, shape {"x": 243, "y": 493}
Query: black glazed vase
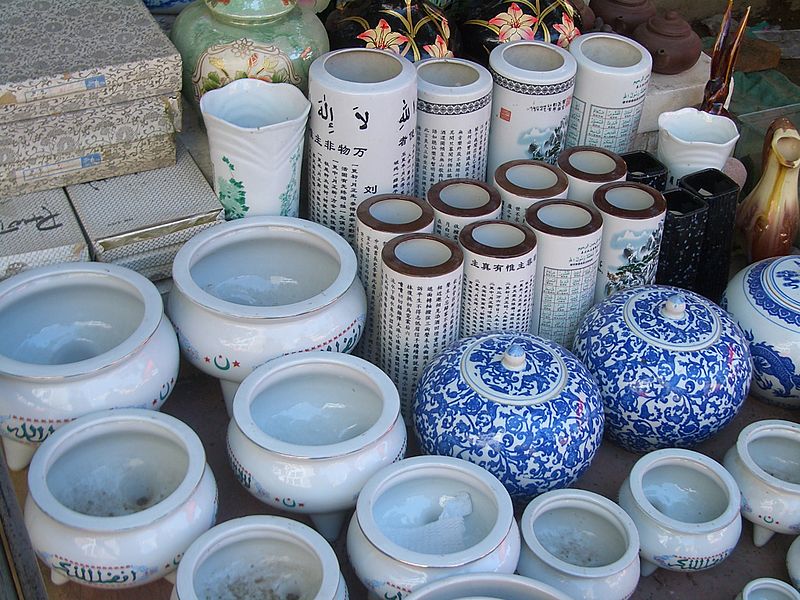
{"x": 414, "y": 29}
{"x": 486, "y": 25}
{"x": 682, "y": 240}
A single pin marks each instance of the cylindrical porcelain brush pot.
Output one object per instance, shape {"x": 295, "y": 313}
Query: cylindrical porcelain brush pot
{"x": 458, "y": 202}
{"x": 116, "y": 497}
{"x": 487, "y": 586}
{"x": 686, "y": 509}
{"x": 522, "y": 183}
{"x": 765, "y": 462}
{"x": 588, "y": 167}
{"x": 78, "y": 338}
{"x": 309, "y": 430}
{"x": 766, "y": 588}
{"x": 263, "y": 557}
{"x": 250, "y": 290}
{"x": 580, "y": 543}
{"x": 379, "y": 219}
{"x": 430, "y": 517}
{"x": 454, "y": 106}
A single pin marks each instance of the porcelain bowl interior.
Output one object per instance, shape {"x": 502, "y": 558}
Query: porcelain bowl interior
{"x": 766, "y": 588}
{"x": 592, "y": 162}
{"x": 487, "y": 586}
{"x": 776, "y": 452}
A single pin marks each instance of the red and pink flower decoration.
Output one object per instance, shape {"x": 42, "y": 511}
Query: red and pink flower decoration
{"x": 382, "y": 37}
{"x": 514, "y": 24}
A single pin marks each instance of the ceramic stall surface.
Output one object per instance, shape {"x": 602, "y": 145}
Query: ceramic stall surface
{"x": 645, "y": 168}
{"x": 568, "y": 238}
{"x": 624, "y": 16}
{"x": 764, "y": 299}
{"x": 78, "y": 338}
{"x": 765, "y": 462}
{"x": 426, "y": 518}
{"x": 255, "y": 137}
{"x": 581, "y": 543}
{"x": 682, "y": 241}
{"x": 487, "y": 586}
{"x": 767, "y": 588}
{"x": 587, "y": 168}
{"x": 250, "y": 290}
{"x": 671, "y": 41}
{"x": 686, "y": 510}
{"x": 612, "y": 81}
{"x": 673, "y": 368}
{"x": 420, "y": 306}
{"x": 308, "y": 430}
{"x": 691, "y": 140}
{"x": 260, "y": 556}
{"x": 116, "y": 497}
{"x": 633, "y": 222}
{"x": 362, "y": 133}
{"x": 499, "y": 268}
{"x": 487, "y": 25}
{"x": 520, "y": 406}
{"x": 379, "y": 219}
{"x": 793, "y": 562}
{"x": 414, "y": 29}
{"x": 525, "y": 182}
{"x": 221, "y": 41}
{"x": 533, "y": 84}
{"x": 458, "y": 202}
{"x": 454, "y": 106}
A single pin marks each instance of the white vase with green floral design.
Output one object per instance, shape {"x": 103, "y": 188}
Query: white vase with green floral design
{"x": 224, "y": 40}
{"x": 255, "y": 138}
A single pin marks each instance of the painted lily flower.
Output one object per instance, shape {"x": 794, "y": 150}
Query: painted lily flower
{"x": 514, "y": 24}
{"x": 383, "y": 37}
{"x": 567, "y": 30}
{"x": 438, "y": 49}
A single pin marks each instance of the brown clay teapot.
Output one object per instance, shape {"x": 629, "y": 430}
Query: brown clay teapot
{"x": 623, "y": 16}
{"x": 672, "y": 42}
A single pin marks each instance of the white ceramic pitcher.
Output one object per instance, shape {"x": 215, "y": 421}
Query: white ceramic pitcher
{"x": 255, "y": 137}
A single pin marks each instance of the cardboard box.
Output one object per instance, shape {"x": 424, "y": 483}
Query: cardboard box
{"x": 39, "y": 229}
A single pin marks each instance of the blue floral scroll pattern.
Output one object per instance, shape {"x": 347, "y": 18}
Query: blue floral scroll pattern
{"x": 656, "y": 397}
{"x": 530, "y": 448}
{"x": 762, "y": 282}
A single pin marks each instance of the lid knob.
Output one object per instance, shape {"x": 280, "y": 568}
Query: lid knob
{"x": 514, "y": 357}
{"x": 674, "y": 307}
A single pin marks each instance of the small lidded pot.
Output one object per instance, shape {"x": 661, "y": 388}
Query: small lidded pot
{"x": 673, "y": 368}
{"x": 671, "y": 41}
{"x": 686, "y": 510}
{"x": 518, "y": 405}
{"x": 764, "y": 299}
{"x": 765, "y": 462}
{"x": 580, "y": 543}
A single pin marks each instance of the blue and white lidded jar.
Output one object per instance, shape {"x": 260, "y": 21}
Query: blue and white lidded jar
{"x": 764, "y": 299}
{"x": 520, "y": 406}
{"x": 673, "y": 368}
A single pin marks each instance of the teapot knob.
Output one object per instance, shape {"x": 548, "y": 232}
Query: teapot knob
{"x": 514, "y": 357}
{"x": 674, "y": 307}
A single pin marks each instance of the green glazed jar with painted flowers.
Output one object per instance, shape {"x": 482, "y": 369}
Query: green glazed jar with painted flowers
{"x": 224, "y": 40}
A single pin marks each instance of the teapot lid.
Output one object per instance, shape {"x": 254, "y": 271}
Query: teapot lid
{"x": 667, "y": 318}
{"x": 774, "y": 285}
{"x": 513, "y": 369}
{"x": 249, "y": 11}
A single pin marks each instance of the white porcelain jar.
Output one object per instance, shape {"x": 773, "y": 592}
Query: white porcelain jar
{"x": 580, "y": 543}
{"x": 263, "y": 557}
{"x": 765, "y": 462}
{"x": 686, "y": 510}
{"x": 116, "y": 497}
{"x": 764, "y": 299}
{"x": 487, "y": 586}
{"x": 309, "y": 430}
{"x": 427, "y": 518}
{"x": 793, "y": 562}
{"x": 766, "y": 588}
{"x": 78, "y": 338}
{"x": 250, "y": 290}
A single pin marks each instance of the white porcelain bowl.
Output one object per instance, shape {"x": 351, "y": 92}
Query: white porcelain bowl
{"x": 487, "y": 586}
{"x": 78, "y": 338}
{"x": 309, "y": 430}
{"x": 250, "y": 290}
{"x": 767, "y": 588}
{"x": 686, "y": 510}
{"x": 793, "y": 562}
{"x": 260, "y": 557}
{"x": 580, "y": 543}
{"x": 116, "y": 497}
{"x": 765, "y": 462}
{"x": 427, "y": 518}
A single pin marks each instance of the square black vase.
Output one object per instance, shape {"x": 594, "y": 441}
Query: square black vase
{"x": 645, "y": 168}
{"x": 682, "y": 242}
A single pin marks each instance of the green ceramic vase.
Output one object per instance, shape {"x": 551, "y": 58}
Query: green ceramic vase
{"x": 224, "y": 40}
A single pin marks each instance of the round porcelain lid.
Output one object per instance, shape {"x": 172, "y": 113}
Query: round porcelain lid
{"x": 513, "y": 369}
{"x": 668, "y": 319}
{"x": 774, "y": 286}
